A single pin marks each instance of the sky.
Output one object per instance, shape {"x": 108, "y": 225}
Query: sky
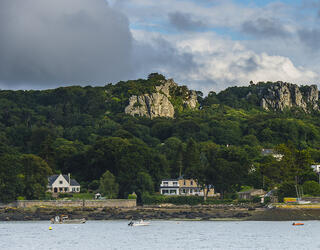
{"x": 208, "y": 45}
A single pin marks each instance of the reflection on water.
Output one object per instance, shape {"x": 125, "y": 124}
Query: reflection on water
{"x": 160, "y": 235}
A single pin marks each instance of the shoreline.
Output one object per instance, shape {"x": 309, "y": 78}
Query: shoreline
{"x": 175, "y": 213}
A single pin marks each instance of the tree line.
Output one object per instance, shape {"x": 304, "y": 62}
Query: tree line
{"x": 84, "y": 131}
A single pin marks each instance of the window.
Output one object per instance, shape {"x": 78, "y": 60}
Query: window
{"x": 73, "y": 189}
{"x": 60, "y": 189}
{"x": 164, "y": 191}
{"x": 173, "y": 192}
{"x": 183, "y": 191}
{"x": 78, "y": 189}
{"x": 191, "y": 183}
{"x": 165, "y": 183}
{"x": 66, "y": 189}
{"x": 184, "y": 182}
{"x": 175, "y": 183}
{"x": 60, "y": 182}
{"x": 191, "y": 191}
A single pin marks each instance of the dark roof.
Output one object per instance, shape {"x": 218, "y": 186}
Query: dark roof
{"x": 267, "y": 151}
{"x": 170, "y": 179}
{"x": 73, "y": 182}
{"x": 52, "y": 179}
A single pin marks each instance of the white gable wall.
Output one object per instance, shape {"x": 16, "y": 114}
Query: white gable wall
{"x": 61, "y": 182}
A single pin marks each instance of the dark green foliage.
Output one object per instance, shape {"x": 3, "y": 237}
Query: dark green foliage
{"x": 177, "y": 200}
{"x": 65, "y": 195}
{"x": 84, "y": 131}
{"x": 311, "y": 188}
{"x": 256, "y": 199}
{"x": 287, "y": 189}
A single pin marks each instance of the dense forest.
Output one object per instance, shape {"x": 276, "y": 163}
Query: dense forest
{"x": 84, "y": 131}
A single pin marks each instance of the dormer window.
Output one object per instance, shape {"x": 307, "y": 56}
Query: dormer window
{"x": 165, "y": 183}
{"x": 175, "y": 183}
{"x": 60, "y": 182}
{"x": 191, "y": 183}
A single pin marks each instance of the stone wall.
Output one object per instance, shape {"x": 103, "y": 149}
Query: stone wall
{"x": 79, "y": 203}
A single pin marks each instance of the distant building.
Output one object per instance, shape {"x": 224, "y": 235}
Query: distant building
{"x": 267, "y": 151}
{"x": 183, "y": 187}
{"x": 316, "y": 168}
{"x": 62, "y": 184}
{"x": 248, "y": 195}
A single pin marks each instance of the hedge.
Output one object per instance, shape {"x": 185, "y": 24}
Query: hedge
{"x": 174, "y": 199}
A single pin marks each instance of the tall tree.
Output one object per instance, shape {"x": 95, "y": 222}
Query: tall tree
{"x": 35, "y": 173}
{"x": 108, "y": 185}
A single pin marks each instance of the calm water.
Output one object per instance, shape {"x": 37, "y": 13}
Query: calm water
{"x": 160, "y": 235}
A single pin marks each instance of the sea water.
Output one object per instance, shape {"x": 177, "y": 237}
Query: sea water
{"x": 160, "y": 235}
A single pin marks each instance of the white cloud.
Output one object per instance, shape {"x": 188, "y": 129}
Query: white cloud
{"x": 219, "y": 62}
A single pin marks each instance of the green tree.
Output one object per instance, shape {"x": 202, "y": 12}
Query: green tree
{"x": 10, "y": 179}
{"x": 311, "y": 188}
{"x": 108, "y": 185}
{"x": 191, "y": 159}
{"x": 144, "y": 184}
{"x": 35, "y": 173}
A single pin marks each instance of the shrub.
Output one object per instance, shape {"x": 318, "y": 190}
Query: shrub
{"x": 286, "y": 189}
{"x": 256, "y": 199}
{"x": 48, "y": 196}
{"x": 176, "y": 200}
{"x": 311, "y": 188}
{"x": 132, "y": 196}
{"x": 213, "y": 201}
{"x": 267, "y": 200}
{"x": 21, "y": 198}
{"x": 65, "y": 195}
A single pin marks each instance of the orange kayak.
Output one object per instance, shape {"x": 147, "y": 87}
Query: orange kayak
{"x": 297, "y": 224}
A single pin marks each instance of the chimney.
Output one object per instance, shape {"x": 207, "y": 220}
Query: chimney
{"x": 69, "y": 178}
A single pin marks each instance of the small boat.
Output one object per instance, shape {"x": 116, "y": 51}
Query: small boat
{"x": 138, "y": 223}
{"x": 64, "y": 219}
{"x": 297, "y": 224}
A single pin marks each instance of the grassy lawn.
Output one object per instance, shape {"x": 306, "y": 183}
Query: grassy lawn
{"x": 79, "y": 196}
{"x": 83, "y": 196}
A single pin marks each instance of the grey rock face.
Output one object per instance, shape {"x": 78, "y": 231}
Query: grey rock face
{"x": 158, "y": 104}
{"x": 281, "y": 95}
{"x": 153, "y": 105}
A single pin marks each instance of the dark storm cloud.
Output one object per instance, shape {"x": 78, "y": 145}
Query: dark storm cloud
{"x": 48, "y": 42}
{"x": 310, "y": 38}
{"x": 263, "y": 27}
{"x": 184, "y": 21}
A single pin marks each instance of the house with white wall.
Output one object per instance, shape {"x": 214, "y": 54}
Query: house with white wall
{"x": 316, "y": 168}
{"x": 62, "y": 184}
{"x": 169, "y": 187}
{"x": 185, "y": 187}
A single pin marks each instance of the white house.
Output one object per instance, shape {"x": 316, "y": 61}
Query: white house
{"x": 266, "y": 152}
{"x": 185, "y": 187}
{"x": 62, "y": 184}
{"x": 169, "y": 187}
{"x": 316, "y": 168}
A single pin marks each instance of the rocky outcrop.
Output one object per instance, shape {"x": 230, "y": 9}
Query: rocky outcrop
{"x": 150, "y": 105}
{"x": 281, "y": 95}
{"x": 158, "y": 104}
{"x": 191, "y": 100}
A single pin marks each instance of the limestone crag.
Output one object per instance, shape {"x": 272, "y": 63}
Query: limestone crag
{"x": 281, "y": 95}
{"x": 158, "y": 104}
{"x": 192, "y": 100}
{"x": 150, "y": 105}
